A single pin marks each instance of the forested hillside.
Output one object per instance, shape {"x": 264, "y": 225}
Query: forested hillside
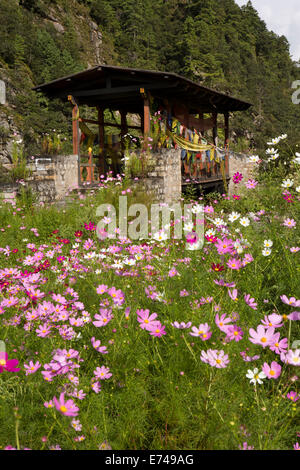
{"x": 214, "y": 42}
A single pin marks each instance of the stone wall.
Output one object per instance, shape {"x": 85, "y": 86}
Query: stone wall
{"x": 51, "y": 178}
{"x": 240, "y": 163}
{"x": 163, "y": 181}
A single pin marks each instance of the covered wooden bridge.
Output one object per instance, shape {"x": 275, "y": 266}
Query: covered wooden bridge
{"x": 187, "y": 110}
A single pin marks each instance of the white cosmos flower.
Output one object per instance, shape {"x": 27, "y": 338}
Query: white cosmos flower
{"x": 210, "y": 233}
{"x": 255, "y": 376}
{"x": 298, "y": 189}
{"x": 90, "y": 255}
{"x": 130, "y": 261}
{"x": 271, "y": 151}
{"x": 197, "y": 209}
{"x": 266, "y": 252}
{"x": 268, "y": 243}
{"x": 117, "y": 265}
{"x": 273, "y": 157}
{"x": 254, "y": 159}
{"x": 288, "y": 183}
{"x": 233, "y": 216}
{"x": 245, "y": 221}
{"x": 297, "y": 159}
{"x": 219, "y": 222}
{"x": 160, "y": 236}
{"x": 188, "y": 227}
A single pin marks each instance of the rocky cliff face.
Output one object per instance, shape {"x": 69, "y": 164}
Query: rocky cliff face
{"x": 66, "y": 26}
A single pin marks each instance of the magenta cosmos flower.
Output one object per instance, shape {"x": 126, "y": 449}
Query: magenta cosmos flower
{"x": 237, "y": 177}
{"x": 273, "y": 371}
{"x": 262, "y": 336}
{"x": 10, "y": 365}
{"x": 67, "y": 408}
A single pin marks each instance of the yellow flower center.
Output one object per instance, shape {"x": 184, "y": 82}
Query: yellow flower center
{"x": 264, "y": 340}
{"x": 2, "y": 362}
{"x": 63, "y": 409}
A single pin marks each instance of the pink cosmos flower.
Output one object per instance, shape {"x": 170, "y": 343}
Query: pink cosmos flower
{"x": 233, "y": 294}
{"x": 104, "y": 317}
{"x": 293, "y": 357}
{"x": 49, "y": 404}
{"x": 248, "y": 258}
{"x": 279, "y": 346}
{"x": 272, "y": 320}
{"x": 157, "y": 329}
{"x": 102, "y": 373}
{"x": 101, "y": 289}
{"x": 215, "y": 358}
{"x": 203, "y": 331}
{"x": 173, "y": 272}
{"x": 293, "y": 396}
{"x": 290, "y": 223}
{"x": 247, "y": 358}
{"x": 234, "y": 333}
{"x": 292, "y": 301}
{"x": 96, "y": 345}
{"x": 224, "y": 246}
{"x": 234, "y": 263}
{"x": 223, "y": 322}
{"x": 67, "y": 408}
{"x": 32, "y": 368}
{"x": 181, "y": 325}
{"x": 43, "y": 330}
{"x": 250, "y": 301}
{"x": 117, "y": 295}
{"x": 264, "y": 337}
{"x": 184, "y": 293}
{"x": 273, "y": 371}
{"x": 10, "y": 365}
{"x": 96, "y": 386}
{"x": 250, "y": 184}
{"x": 146, "y": 320}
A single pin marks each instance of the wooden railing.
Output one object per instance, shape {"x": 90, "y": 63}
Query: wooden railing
{"x": 202, "y": 172}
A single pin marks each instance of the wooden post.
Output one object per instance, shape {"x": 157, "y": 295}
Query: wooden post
{"x": 146, "y": 117}
{"x": 75, "y": 124}
{"x": 226, "y": 143}
{"x": 215, "y": 140}
{"x": 90, "y": 173}
{"x": 101, "y": 167}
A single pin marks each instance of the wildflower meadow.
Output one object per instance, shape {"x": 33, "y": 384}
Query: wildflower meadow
{"x": 109, "y": 343}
